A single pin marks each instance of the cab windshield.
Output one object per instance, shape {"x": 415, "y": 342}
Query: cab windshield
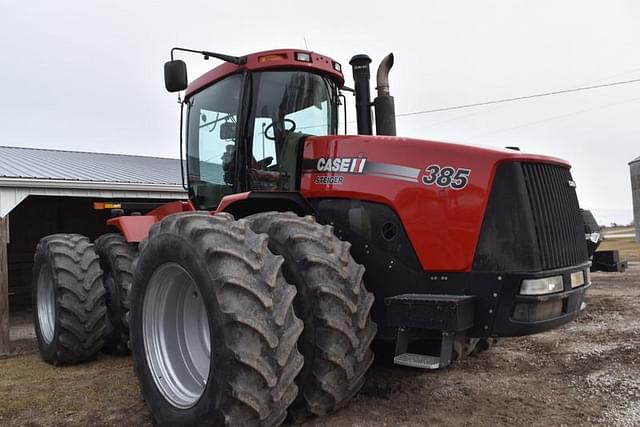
{"x": 287, "y": 107}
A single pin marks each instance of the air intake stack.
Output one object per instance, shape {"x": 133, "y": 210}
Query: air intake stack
{"x": 361, "y": 75}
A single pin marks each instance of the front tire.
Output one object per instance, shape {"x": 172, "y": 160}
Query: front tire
{"x": 213, "y": 332}
{"x": 334, "y": 305}
{"x": 68, "y": 299}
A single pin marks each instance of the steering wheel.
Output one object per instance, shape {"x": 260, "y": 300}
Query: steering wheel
{"x": 271, "y": 138}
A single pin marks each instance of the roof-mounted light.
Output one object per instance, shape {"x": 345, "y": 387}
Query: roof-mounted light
{"x": 303, "y": 56}
{"x": 272, "y": 57}
{"x": 337, "y": 66}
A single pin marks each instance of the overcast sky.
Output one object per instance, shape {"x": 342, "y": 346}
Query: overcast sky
{"x": 87, "y": 75}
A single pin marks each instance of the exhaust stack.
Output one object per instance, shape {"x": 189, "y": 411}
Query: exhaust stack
{"x": 384, "y": 103}
{"x": 361, "y": 76}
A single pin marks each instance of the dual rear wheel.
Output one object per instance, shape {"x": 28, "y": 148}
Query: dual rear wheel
{"x": 213, "y": 331}
{"x": 80, "y": 296}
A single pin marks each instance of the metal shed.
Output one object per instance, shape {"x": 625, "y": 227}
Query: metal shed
{"x": 634, "y": 167}
{"x": 52, "y": 191}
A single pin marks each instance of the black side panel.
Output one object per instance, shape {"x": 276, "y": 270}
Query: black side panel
{"x": 508, "y": 237}
{"x": 374, "y": 224}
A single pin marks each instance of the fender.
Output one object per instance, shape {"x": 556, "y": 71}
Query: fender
{"x": 135, "y": 228}
{"x": 245, "y": 204}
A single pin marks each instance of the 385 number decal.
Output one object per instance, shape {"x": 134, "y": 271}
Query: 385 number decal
{"x": 446, "y": 176}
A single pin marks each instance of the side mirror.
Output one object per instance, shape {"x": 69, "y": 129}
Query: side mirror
{"x": 175, "y": 75}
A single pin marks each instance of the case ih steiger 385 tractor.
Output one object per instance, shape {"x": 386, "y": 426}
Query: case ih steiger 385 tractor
{"x": 260, "y": 296}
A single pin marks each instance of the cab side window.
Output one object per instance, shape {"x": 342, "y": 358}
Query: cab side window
{"x": 211, "y": 142}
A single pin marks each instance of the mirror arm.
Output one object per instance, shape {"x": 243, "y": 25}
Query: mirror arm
{"x": 239, "y": 60}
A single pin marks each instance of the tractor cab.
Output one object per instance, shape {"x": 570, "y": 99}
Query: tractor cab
{"x": 245, "y": 123}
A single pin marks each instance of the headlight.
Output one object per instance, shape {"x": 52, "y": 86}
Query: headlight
{"x": 303, "y": 56}
{"x": 577, "y": 279}
{"x": 546, "y": 285}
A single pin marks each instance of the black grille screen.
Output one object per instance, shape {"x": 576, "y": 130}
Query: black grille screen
{"x": 532, "y": 221}
{"x": 556, "y": 215}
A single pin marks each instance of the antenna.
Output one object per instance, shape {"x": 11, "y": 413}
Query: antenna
{"x": 305, "y": 43}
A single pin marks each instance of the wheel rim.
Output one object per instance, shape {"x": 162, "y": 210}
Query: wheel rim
{"x": 176, "y": 336}
{"x": 46, "y": 305}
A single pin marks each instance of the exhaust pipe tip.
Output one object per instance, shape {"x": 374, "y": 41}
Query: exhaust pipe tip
{"x": 384, "y": 103}
{"x": 382, "y": 76}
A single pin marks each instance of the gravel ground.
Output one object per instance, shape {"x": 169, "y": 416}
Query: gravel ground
{"x": 586, "y": 373}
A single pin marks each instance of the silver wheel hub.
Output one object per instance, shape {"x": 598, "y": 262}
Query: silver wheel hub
{"x": 46, "y": 305}
{"x": 175, "y": 330}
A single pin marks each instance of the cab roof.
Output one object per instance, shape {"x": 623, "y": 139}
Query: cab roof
{"x": 272, "y": 60}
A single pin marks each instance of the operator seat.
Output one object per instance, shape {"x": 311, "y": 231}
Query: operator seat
{"x": 288, "y": 155}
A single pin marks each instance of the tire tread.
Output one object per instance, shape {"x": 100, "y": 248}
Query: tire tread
{"x": 80, "y": 321}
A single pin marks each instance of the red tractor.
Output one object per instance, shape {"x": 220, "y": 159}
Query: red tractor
{"x": 260, "y": 296}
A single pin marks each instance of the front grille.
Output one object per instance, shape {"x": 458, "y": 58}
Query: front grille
{"x": 532, "y": 221}
{"x": 556, "y": 215}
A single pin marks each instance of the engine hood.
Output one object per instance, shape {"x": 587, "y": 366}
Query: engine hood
{"x": 439, "y": 190}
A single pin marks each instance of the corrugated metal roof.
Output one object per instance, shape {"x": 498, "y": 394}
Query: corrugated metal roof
{"x": 43, "y": 164}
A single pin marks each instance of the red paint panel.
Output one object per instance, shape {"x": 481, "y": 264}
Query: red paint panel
{"x": 443, "y": 224}
{"x": 320, "y": 64}
{"x": 136, "y": 228}
{"x": 133, "y": 228}
{"x": 229, "y": 200}
{"x": 171, "y": 208}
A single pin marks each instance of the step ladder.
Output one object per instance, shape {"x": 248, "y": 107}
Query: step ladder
{"x": 451, "y": 315}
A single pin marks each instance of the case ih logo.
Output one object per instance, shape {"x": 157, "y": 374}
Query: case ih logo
{"x": 341, "y": 164}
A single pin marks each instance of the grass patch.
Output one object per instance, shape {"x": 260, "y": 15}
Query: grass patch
{"x": 628, "y": 247}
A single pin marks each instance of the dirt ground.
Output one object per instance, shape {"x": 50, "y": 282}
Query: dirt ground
{"x": 586, "y": 373}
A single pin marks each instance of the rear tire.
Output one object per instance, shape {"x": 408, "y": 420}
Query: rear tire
{"x": 116, "y": 260}
{"x": 68, "y": 299}
{"x": 213, "y": 331}
{"x": 334, "y": 305}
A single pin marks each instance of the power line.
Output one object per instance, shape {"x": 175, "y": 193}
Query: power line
{"x": 518, "y": 98}
{"x": 487, "y": 110}
{"x": 548, "y": 119}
